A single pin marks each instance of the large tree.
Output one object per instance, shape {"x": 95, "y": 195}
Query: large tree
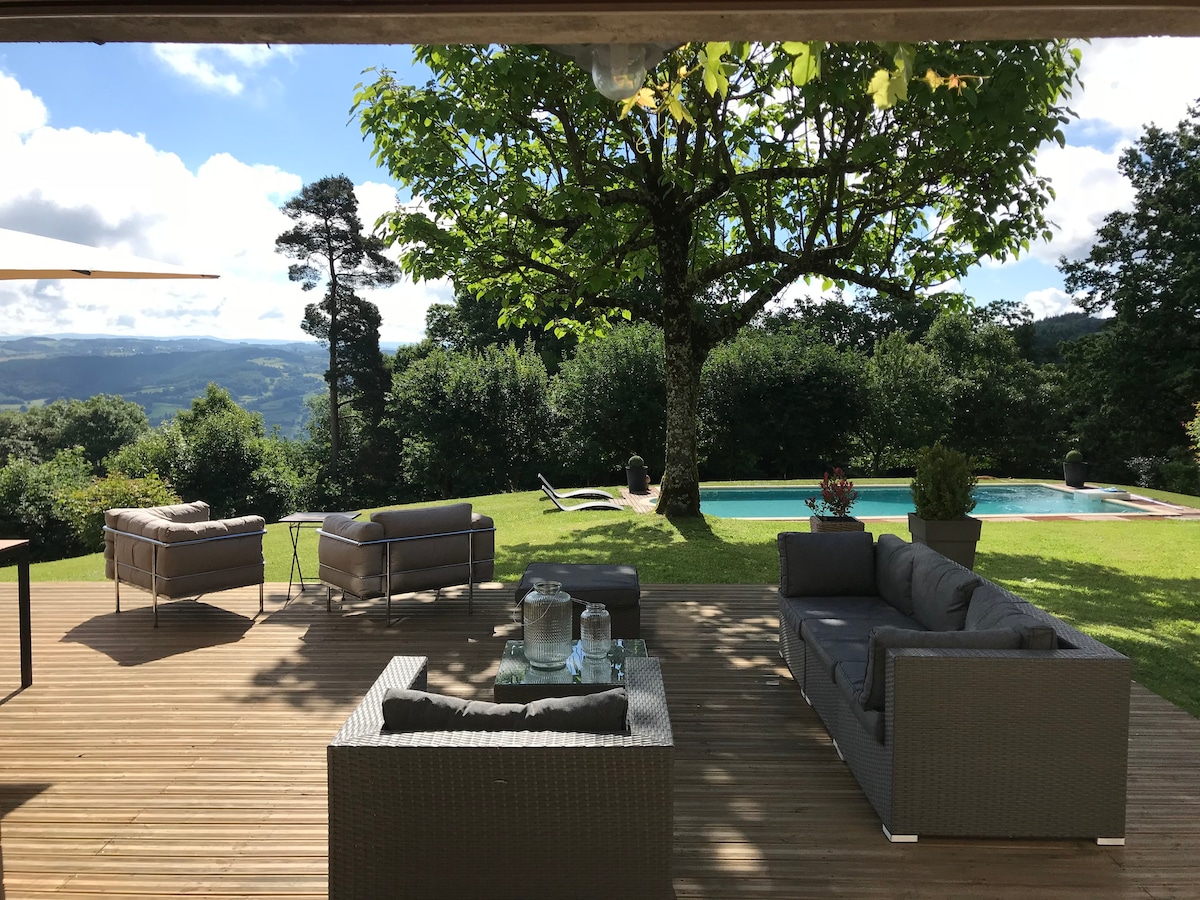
{"x": 330, "y": 247}
{"x": 539, "y": 193}
{"x": 1139, "y": 377}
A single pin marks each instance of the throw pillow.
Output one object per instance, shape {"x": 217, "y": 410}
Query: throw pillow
{"x": 885, "y": 637}
{"x": 412, "y": 710}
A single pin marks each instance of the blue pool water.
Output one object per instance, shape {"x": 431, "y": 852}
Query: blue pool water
{"x": 991, "y": 500}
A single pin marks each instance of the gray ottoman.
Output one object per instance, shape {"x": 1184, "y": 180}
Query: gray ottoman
{"x": 617, "y": 587}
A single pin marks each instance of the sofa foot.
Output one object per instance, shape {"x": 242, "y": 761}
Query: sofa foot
{"x": 805, "y": 696}
{"x": 899, "y": 838}
{"x": 838, "y": 751}
{"x": 1111, "y": 842}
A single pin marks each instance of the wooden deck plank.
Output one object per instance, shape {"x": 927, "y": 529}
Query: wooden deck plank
{"x": 191, "y": 759}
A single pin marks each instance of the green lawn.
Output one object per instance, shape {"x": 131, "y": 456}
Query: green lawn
{"x": 1133, "y": 584}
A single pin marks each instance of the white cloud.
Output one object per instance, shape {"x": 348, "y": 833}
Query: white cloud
{"x": 1130, "y": 83}
{"x": 117, "y": 191}
{"x": 207, "y": 64}
{"x": 1049, "y": 302}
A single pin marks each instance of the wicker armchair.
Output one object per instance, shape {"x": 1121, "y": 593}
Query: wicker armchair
{"x": 177, "y": 551}
{"x": 402, "y": 550}
{"x": 503, "y": 814}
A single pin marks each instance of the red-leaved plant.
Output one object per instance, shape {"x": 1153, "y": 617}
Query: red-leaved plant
{"x": 837, "y": 495}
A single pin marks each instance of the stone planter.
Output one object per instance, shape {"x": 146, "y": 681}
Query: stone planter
{"x": 954, "y": 539}
{"x": 1075, "y": 474}
{"x": 819, "y": 524}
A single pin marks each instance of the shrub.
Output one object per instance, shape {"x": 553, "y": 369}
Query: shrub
{"x": 942, "y": 487}
{"x": 837, "y": 495}
{"x": 31, "y": 502}
{"x": 84, "y": 507}
{"x": 1073, "y": 456}
{"x": 635, "y": 462}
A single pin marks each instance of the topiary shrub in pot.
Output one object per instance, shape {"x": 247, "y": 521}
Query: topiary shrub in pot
{"x": 942, "y": 497}
{"x": 1074, "y": 469}
{"x": 636, "y": 475}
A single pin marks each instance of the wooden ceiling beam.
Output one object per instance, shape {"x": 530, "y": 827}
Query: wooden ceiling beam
{"x": 578, "y": 21}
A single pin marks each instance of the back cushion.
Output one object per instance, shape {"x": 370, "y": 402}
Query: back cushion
{"x": 427, "y": 553}
{"x": 836, "y": 564}
{"x": 884, "y": 637}
{"x": 411, "y": 710}
{"x": 991, "y": 607}
{"x": 941, "y": 590}
{"x": 893, "y": 572}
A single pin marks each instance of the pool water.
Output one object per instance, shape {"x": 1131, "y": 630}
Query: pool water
{"x": 990, "y": 500}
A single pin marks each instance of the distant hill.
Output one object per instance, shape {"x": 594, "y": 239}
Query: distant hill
{"x": 1048, "y": 333}
{"x": 164, "y": 375}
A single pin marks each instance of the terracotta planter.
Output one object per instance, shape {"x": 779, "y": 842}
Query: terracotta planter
{"x": 818, "y": 524}
{"x": 954, "y": 539}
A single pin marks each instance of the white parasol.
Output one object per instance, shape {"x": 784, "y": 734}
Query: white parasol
{"x": 31, "y": 256}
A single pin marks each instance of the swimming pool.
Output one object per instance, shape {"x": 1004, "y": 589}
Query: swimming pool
{"x": 991, "y": 500}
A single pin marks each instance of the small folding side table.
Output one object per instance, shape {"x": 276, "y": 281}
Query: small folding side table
{"x": 296, "y": 521}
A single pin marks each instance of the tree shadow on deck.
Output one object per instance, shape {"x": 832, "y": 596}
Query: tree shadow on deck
{"x": 130, "y": 638}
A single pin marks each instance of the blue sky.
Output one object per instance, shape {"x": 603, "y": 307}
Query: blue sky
{"x": 183, "y": 153}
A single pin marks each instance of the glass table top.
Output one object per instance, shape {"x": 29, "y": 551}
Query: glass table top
{"x": 517, "y": 679}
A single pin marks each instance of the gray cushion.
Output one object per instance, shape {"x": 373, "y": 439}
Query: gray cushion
{"x": 893, "y": 571}
{"x": 884, "y": 638}
{"x": 848, "y": 677}
{"x": 992, "y": 607}
{"x": 835, "y": 564}
{"x": 941, "y": 590}
{"x": 411, "y": 710}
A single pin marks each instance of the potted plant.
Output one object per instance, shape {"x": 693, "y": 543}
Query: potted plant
{"x": 941, "y": 493}
{"x": 832, "y": 508}
{"x": 637, "y": 476}
{"x": 1074, "y": 469}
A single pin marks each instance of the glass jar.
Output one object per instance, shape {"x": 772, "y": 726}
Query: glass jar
{"x": 547, "y": 624}
{"x": 595, "y": 630}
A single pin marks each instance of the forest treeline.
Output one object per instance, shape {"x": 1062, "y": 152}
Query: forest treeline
{"x": 471, "y": 411}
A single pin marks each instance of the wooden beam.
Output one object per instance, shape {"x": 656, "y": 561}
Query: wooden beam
{"x": 574, "y": 21}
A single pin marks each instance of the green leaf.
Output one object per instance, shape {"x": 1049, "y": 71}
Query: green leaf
{"x": 806, "y": 64}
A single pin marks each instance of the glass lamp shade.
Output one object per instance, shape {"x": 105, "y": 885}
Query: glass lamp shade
{"x": 618, "y": 70}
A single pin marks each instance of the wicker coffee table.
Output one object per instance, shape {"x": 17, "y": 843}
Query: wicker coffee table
{"x": 518, "y": 682}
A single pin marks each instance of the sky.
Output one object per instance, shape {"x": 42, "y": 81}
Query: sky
{"x": 184, "y": 154}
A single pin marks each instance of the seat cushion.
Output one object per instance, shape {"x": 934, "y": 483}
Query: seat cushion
{"x": 412, "y": 710}
{"x": 885, "y": 638}
{"x": 833, "y": 564}
{"x": 849, "y": 678}
{"x": 795, "y": 610}
{"x": 833, "y": 641}
{"x": 893, "y": 571}
{"x": 993, "y": 607}
{"x": 941, "y": 590}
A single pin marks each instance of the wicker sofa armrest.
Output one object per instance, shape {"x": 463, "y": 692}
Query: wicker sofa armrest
{"x": 1008, "y": 742}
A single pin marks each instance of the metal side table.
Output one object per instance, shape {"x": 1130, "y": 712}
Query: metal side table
{"x": 296, "y": 521}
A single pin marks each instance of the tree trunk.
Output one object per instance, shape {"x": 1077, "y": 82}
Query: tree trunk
{"x": 683, "y": 355}
{"x": 335, "y": 412}
{"x": 679, "y": 494}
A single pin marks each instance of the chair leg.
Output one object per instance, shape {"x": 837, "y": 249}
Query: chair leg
{"x": 470, "y": 598}
{"x": 155, "y": 607}
{"x": 117, "y": 589}
{"x": 260, "y": 598}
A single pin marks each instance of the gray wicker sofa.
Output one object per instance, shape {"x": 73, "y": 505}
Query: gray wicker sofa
{"x": 961, "y": 709}
{"x": 501, "y": 814}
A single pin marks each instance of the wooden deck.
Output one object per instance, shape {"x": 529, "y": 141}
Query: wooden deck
{"x": 191, "y": 759}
